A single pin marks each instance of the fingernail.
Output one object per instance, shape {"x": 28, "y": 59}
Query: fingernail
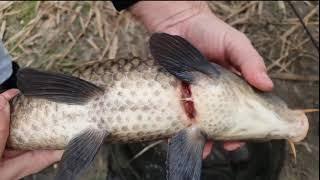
{"x": 16, "y": 91}
{"x": 207, "y": 149}
{"x": 232, "y": 146}
{"x": 265, "y": 79}
{"x": 56, "y": 154}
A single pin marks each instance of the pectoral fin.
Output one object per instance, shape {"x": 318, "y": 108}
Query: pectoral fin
{"x": 184, "y": 159}
{"x": 79, "y": 154}
{"x": 179, "y": 57}
{"x": 56, "y": 87}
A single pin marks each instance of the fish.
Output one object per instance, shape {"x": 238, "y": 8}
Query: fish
{"x": 177, "y": 94}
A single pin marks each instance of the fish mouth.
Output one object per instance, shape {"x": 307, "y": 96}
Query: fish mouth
{"x": 303, "y": 126}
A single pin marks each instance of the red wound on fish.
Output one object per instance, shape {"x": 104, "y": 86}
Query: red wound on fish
{"x": 185, "y": 88}
{"x": 187, "y": 102}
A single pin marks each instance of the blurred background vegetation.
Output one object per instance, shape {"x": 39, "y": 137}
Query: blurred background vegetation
{"x": 60, "y": 36}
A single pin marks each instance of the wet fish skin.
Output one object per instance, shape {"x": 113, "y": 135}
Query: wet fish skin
{"x": 141, "y": 102}
{"x": 242, "y": 112}
{"x": 184, "y": 97}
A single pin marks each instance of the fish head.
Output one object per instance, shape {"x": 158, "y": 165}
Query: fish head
{"x": 223, "y": 105}
{"x": 227, "y": 108}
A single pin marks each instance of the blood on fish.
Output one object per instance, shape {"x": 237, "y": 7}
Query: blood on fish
{"x": 185, "y": 88}
{"x": 187, "y": 102}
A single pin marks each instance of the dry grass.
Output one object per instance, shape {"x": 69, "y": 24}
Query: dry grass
{"x": 63, "y": 35}
{"x": 60, "y": 35}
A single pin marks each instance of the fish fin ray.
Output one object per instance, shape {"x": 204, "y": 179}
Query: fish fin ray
{"x": 80, "y": 153}
{"x": 184, "y": 158}
{"x": 55, "y": 86}
{"x": 179, "y": 57}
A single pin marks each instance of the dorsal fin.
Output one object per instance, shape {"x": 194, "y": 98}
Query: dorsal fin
{"x": 179, "y": 57}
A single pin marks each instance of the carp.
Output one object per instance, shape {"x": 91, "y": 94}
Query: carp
{"x": 177, "y": 94}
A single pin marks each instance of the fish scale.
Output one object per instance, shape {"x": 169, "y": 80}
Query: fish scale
{"x": 178, "y": 95}
{"x": 144, "y": 109}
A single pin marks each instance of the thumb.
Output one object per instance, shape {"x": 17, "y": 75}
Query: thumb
{"x": 28, "y": 163}
{"x": 5, "y": 97}
{"x": 243, "y": 56}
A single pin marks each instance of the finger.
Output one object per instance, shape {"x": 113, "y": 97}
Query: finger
{"x": 5, "y": 116}
{"x": 247, "y": 60}
{"x": 29, "y": 163}
{"x": 9, "y": 94}
{"x": 207, "y": 149}
{"x": 232, "y": 145}
{"x": 7, "y": 154}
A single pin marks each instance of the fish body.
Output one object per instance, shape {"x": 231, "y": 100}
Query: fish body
{"x": 141, "y": 102}
{"x": 177, "y": 95}
{"x": 138, "y": 103}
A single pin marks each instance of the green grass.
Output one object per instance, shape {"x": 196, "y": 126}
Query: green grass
{"x": 27, "y": 11}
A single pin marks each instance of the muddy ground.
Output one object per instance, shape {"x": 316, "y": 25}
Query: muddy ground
{"x": 63, "y": 35}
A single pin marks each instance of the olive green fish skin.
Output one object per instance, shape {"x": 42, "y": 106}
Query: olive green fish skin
{"x": 142, "y": 102}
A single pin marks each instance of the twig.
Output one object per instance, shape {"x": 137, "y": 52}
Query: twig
{"x": 240, "y": 20}
{"x": 293, "y": 151}
{"x": 221, "y": 5}
{"x": 113, "y": 35}
{"x": 260, "y": 7}
{"x": 294, "y": 77}
{"x": 282, "y": 6}
{"x": 5, "y": 6}
{"x": 304, "y": 25}
{"x": 105, "y": 50}
{"x": 10, "y": 13}
{"x": 277, "y": 62}
{"x": 98, "y": 19}
{"x": 67, "y": 9}
{"x": 284, "y": 67}
{"x": 23, "y": 33}
{"x": 78, "y": 37}
{"x": 71, "y": 36}
{"x": 145, "y": 150}
{"x": 2, "y": 29}
{"x": 240, "y": 10}
{"x": 309, "y": 147}
{"x": 113, "y": 48}
{"x": 289, "y": 32}
{"x": 310, "y": 110}
{"x": 93, "y": 44}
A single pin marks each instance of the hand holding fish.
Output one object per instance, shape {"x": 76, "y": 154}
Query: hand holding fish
{"x": 217, "y": 40}
{"x": 177, "y": 94}
{"x": 17, "y": 164}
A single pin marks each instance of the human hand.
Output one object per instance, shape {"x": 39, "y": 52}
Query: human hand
{"x": 218, "y": 41}
{"x": 17, "y": 164}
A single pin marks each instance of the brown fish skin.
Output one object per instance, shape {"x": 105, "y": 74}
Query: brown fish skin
{"x": 142, "y": 102}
